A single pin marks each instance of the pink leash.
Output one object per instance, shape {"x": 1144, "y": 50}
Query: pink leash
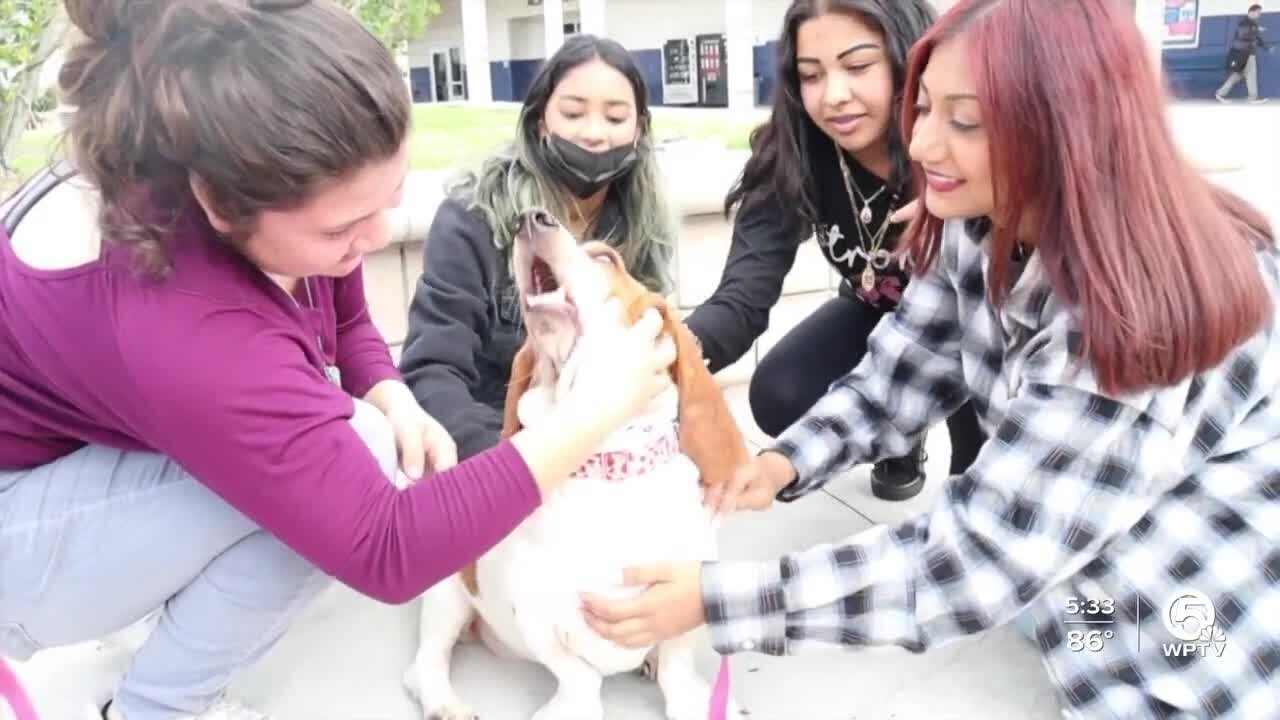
{"x": 720, "y": 692}
{"x": 11, "y": 691}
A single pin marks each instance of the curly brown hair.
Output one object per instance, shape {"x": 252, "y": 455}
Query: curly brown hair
{"x": 262, "y": 103}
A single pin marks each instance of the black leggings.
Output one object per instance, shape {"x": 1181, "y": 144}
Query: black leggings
{"x": 823, "y": 347}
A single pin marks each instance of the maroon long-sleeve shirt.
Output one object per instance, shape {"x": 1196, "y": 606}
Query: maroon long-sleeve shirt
{"x": 219, "y": 369}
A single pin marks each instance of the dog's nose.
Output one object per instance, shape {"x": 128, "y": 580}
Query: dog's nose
{"x": 542, "y": 219}
{"x": 533, "y": 222}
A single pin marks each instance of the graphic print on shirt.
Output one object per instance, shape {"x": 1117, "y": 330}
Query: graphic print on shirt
{"x": 850, "y": 259}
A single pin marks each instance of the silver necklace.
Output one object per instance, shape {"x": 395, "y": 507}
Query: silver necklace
{"x": 865, "y": 215}
{"x": 877, "y": 257}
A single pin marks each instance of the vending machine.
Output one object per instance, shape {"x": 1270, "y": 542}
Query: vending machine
{"x": 679, "y": 76}
{"x": 713, "y": 71}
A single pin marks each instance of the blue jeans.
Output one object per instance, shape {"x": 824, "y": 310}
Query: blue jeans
{"x": 95, "y": 541}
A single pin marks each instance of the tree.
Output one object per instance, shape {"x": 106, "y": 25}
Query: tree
{"x": 32, "y": 31}
{"x": 395, "y": 22}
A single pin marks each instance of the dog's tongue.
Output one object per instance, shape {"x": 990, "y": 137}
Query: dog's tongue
{"x": 543, "y": 280}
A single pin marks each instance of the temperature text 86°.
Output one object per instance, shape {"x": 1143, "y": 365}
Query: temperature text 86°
{"x": 1088, "y": 640}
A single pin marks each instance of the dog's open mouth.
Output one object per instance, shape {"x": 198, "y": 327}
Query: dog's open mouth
{"x": 544, "y": 291}
{"x": 550, "y": 313}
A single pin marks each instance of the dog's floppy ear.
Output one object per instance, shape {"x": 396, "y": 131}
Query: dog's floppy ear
{"x": 521, "y": 378}
{"x": 708, "y": 433}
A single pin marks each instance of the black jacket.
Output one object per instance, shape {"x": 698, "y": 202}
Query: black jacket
{"x": 1248, "y": 37}
{"x": 761, "y": 253}
{"x": 464, "y": 329}
{"x": 766, "y": 238}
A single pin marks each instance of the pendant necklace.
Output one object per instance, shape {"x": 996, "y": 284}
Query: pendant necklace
{"x": 877, "y": 258}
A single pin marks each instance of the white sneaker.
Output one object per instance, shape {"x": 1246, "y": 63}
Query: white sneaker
{"x": 224, "y": 709}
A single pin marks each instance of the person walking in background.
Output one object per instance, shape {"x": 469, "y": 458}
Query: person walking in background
{"x": 1242, "y": 59}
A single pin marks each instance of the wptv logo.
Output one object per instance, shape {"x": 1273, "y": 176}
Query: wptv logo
{"x": 1191, "y": 618}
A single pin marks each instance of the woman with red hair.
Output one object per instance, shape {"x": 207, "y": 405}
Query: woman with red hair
{"x": 1110, "y": 314}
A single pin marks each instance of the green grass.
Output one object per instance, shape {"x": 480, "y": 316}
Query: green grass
{"x": 452, "y": 136}
{"x": 34, "y": 150}
{"x": 447, "y": 137}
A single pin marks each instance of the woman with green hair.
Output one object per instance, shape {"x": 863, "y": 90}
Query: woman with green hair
{"x": 583, "y": 150}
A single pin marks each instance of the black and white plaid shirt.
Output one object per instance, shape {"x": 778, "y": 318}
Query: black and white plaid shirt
{"x": 1095, "y": 514}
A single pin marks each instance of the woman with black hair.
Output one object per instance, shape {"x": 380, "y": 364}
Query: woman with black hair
{"x": 829, "y": 162}
{"x": 583, "y": 149}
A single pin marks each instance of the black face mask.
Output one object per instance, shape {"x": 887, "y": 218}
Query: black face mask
{"x": 585, "y": 172}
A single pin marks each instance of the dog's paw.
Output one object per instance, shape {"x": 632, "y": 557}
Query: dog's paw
{"x": 439, "y": 704}
{"x": 455, "y": 709}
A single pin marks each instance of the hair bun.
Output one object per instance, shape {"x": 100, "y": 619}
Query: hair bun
{"x": 106, "y": 20}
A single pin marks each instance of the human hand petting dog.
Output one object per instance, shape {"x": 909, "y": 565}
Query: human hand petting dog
{"x": 672, "y": 604}
{"x": 615, "y": 373}
{"x": 670, "y": 607}
{"x": 421, "y": 441}
{"x": 753, "y": 486}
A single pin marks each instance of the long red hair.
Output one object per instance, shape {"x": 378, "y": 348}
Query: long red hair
{"x": 1159, "y": 264}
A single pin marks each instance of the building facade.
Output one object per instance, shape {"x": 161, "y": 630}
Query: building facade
{"x": 691, "y": 52}
{"x": 720, "y": 53}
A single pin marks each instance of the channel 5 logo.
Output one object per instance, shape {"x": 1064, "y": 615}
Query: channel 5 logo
{"x": 1190, "y": 617}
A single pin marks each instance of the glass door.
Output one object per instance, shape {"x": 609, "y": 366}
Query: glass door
{"x": 457, "y": 75}
{"x": 440, "y": 75}
{"x": 449, "y": 75}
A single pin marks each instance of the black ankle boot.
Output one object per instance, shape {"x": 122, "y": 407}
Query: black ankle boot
{"x": 899, "y": 478}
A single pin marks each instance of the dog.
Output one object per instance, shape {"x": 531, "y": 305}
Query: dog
{"x": 637, "y": 500}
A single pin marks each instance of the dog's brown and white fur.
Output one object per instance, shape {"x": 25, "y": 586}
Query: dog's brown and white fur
{"x": 613, "y": 513}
